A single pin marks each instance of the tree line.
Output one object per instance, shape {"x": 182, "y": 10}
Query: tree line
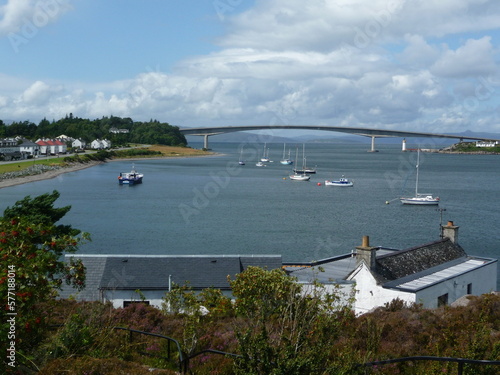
{"x": 149, "y": 132}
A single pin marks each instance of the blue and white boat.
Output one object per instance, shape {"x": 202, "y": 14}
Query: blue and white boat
{"x": 130, "y": 178}
{"x": 340, "y": 182}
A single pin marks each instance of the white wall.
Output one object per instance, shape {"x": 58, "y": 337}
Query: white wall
{"x": 117, "y": 297}
{"x": 369, "y": 295}
{"x": 483, "y": 281}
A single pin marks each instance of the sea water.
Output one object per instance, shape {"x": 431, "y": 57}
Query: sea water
{"x": 212, "y": 205}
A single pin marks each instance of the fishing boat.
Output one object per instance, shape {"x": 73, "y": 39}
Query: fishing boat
{"x": 130, "y": 178}
{"x": 340, "y": 182}
{"x": 284, "y": 160}
{"x": 304, "y": 168}
{"x": 420, "y": 198}
{"x": 299, "y": 176}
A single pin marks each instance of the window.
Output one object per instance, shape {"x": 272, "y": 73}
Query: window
{"x": 469, "y": 288}
{"x": 443, "y": 300}
{"x": 127, "y": 303}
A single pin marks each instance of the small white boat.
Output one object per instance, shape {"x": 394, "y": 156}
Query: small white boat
{"x": 130, "y": 178}
{"x": 422, "y": 199}
{"x": 265, "y": 155}
{"x": 340, "y": 182}
{"x": 419, "y": 198}
{"x": 241, "y": 161}
{"x": 284, "y": 160}
{"x": 260, "y": 164}
{"x": 300, "y": 177}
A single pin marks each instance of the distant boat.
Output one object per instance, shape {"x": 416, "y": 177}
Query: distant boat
{"x": 130, "y": 178}
{"x": 241, "y": 161}
{"x": 265, "y": 155}
{"x": 304, "y": 169}
{"x": 340, "y": 182}
{"x": 419, "y": 198}
{"x": 299, "y": 176}
{"x": 286, "y": 161}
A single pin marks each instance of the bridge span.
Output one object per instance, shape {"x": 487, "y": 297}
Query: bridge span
{"x": 373, "y": 133}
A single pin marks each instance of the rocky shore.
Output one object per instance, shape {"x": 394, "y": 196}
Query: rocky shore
{"x": 40, "y": 172}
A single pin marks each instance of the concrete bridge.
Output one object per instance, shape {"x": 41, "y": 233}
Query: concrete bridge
{"x": 373, "y": 133}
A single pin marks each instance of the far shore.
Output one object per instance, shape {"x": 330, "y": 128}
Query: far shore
{"x": 79, "y": 166}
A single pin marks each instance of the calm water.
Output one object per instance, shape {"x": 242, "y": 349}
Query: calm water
{"x": 211, "y": 205}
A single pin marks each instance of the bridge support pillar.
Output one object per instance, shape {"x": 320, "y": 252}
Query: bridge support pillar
{"x": 373, "y": 144}
{"x": 205, "y": 142}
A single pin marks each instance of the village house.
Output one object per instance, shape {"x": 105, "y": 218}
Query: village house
{"x": 100, "y": 144}
{"x": 118, "y": 131}
{"x": 79, "y": 144}
{"x": 51, "y": 146}
{"x": 433, "y": 274}
{"x": 117, "y": 278}
{"x": 29, "y": 148}
{"x": 487, "y": 144}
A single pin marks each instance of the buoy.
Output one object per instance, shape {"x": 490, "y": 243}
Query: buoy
{"x": 319, "y": 184}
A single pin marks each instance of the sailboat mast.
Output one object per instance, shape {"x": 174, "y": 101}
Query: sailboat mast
{"x": 416, "y": 181}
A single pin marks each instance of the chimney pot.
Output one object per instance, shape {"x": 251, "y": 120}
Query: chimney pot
{"x": 365, "y": 242}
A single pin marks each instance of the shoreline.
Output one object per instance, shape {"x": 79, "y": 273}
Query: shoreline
{"x": 77, "y": 167}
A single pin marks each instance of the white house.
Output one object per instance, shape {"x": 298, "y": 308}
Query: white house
{"x": 79, "y": 144}
{"x": 433, "y": 274}
{"x": 29, "y": 148}
{"x": 100, "y": 144}
{"x": 117, "y": 278}
{"x": 487, "y": 143}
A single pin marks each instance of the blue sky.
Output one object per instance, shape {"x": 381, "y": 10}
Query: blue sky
{"x": 397, "y": 64}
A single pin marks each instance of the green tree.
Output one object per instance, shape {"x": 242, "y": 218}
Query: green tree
{"x": 32, "y": 269}
{"x": 287, "y": 328}
{"x": 41, "y": 210}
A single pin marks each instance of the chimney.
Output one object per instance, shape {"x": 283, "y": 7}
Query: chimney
{"x": 366, "y": 253}
{"x": 450, "y": 231}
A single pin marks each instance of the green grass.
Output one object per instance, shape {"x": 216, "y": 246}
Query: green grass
{"x": 19, "y": 166}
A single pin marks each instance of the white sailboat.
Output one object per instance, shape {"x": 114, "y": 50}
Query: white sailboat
{"x": 241, "y": 161}
{"x": 286, "y": 161}
{"x": 419, "y": 198}
{"x": 265, "y": 155}
{"x": 302, "y": 176}
{"x": 304, "y": 169}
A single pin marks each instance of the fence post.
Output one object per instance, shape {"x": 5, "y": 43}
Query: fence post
{"x": 460, "y": 368}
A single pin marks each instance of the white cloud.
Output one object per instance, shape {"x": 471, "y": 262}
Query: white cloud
{"x": 397, "y": 64}
{"x": 24, "y": 17}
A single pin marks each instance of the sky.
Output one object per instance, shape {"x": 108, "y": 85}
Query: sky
{"x": 414, "y": 65}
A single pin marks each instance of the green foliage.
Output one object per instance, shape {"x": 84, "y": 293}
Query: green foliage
{"x": 290, "y": 328}
{"x": 31, "y": 248}
{"x": 40, "y": 210}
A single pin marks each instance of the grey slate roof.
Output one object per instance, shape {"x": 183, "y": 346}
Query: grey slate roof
{"x": 151, "y": 272}
{"x": 411, "y": 261}
{"x": 409, "y": 269}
